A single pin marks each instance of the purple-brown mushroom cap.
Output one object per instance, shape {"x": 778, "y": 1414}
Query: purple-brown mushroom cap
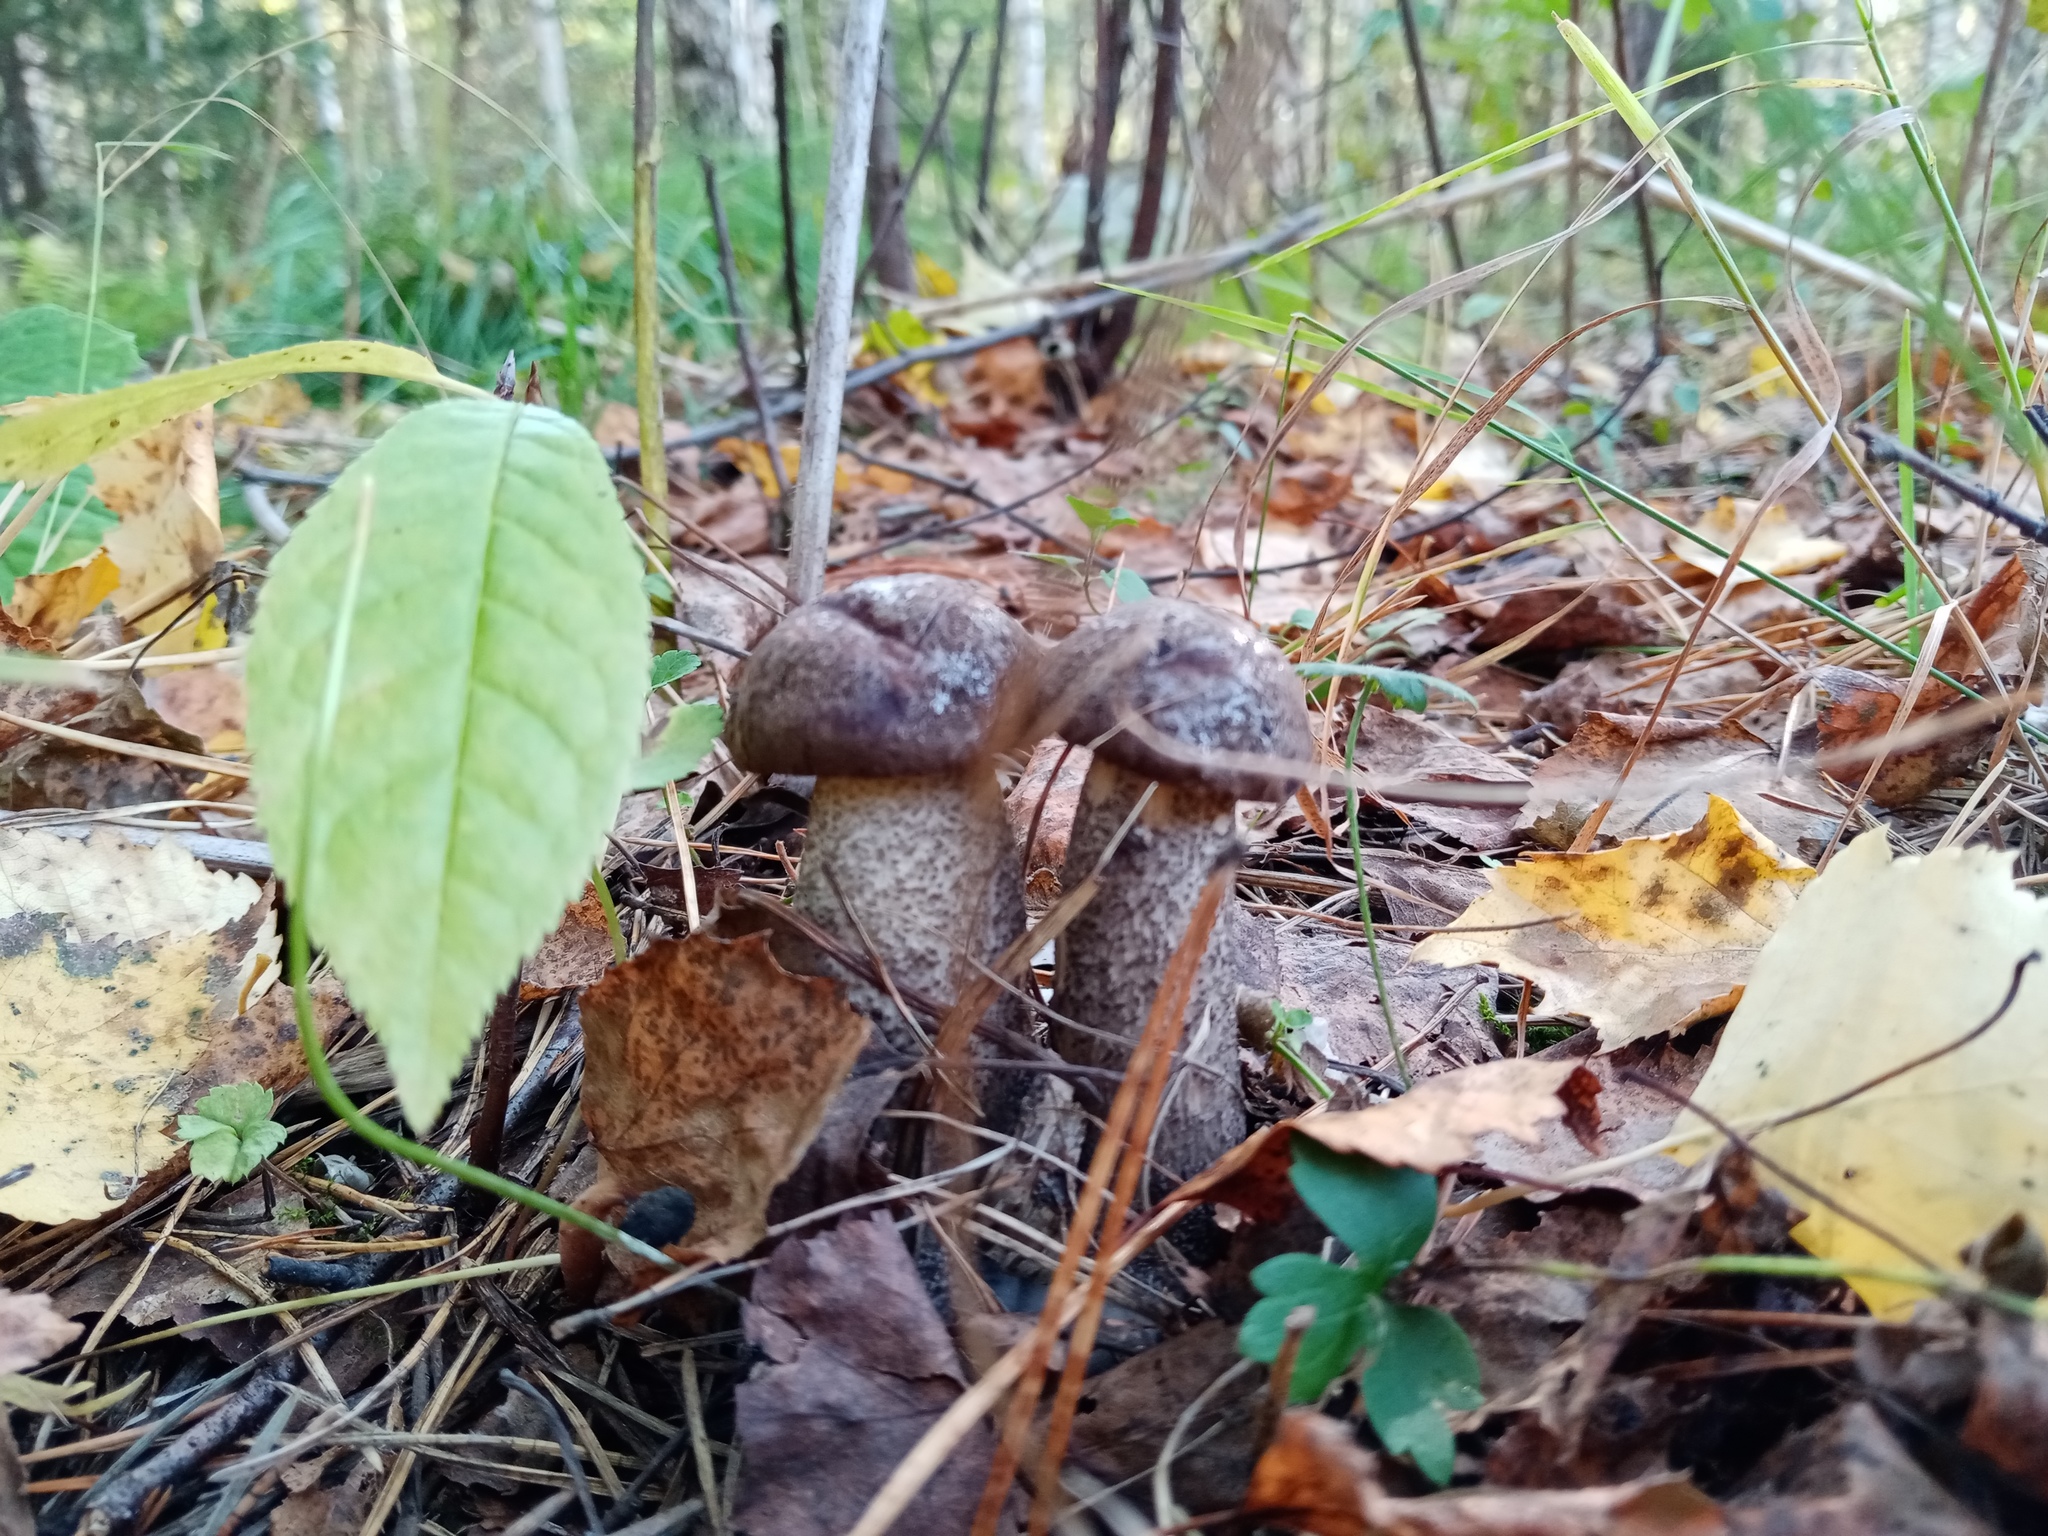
{"x": 895, "y": 676}
{"x": 1182, "y": 693}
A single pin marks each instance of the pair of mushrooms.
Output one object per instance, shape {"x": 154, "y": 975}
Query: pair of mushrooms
{"x": 898, "y": 693}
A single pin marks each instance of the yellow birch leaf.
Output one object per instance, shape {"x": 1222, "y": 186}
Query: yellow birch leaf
{"x": 1648, "y": 936}
{"x": 52, "y": 603}
{"x": 1778, "y": 545}
{"x": 122, "y": 972}
{"x": 1884, "y": 961}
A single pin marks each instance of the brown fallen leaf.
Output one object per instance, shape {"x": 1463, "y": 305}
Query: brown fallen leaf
{"x": 2008, "y": 1419}
{"x": 31, "y": 1330}
{"x": 1856, "y": 709}
{"x": 1666, "y": 791}
{"x": 1848, "y": 1475}
{"x": 856, "y": 1366}
{"x": 51, "y": 604}
{"x": 1316, "y": 1478}
{"x": 1640, "y": 939}
{"x": 38, "y": 770}
{"x": 576, "y": 954}
{"x": 1435, "y": 1124}
{"x": 123, "y": 967}
{"x": 1398, "y": 745}
{"x": 708, "y": 1067}
{"x": 1599, "y": 618}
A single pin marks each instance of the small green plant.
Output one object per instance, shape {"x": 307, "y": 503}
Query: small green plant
{"x": 231, "y": 1132}
{"x": 1402, "y": 688}
{"x": 671, "y": 665}
{"x": 1414, "y": 1364}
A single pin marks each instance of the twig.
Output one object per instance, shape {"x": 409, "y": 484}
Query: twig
{"x": 892, "y": 216}
{"x": 1889, "y": 450}
{"x": 825, "y": 391}
{"x": 501, "y": 1061}
{"x": 988, "y": 116}
{"x": 748, "y": 363}
{"x": 593, "y": 1524}
{"x": 1413, "y": 38}
{"x": 778, "y": 61}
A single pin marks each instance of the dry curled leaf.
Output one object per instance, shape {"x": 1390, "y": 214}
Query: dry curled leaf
{"x": 31, "y": 1330}
{"x": 1642, "y": 938}
{"x": 1853, "y": 714}
{"x": 124, "y": 967}
{"x": 1434, "y": 1125}
{"x": 1777, "y": 544}
{"x": 576, "y": 954}
{"x": 1883, "y": 961}
{"x": 709, "y": 1067}
{"x": 1316, "y": 1478}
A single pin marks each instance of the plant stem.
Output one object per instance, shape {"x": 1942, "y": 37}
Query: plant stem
{"x": 1372, "y": 942}
{"x": 299, "y": 950}
{"x": 646, "y": 282}
{"x": 611, "y": 914}
{"x": 778, "y": 58}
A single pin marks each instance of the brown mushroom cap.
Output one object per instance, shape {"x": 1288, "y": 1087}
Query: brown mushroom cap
{"x": 1203, "y": 680}
{"x": 893, "y": 676}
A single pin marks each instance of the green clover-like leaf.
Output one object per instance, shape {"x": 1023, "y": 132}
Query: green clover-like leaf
{"x": 1408, "y": 690}
{"x": 681, "y": 746}
{"x": 231, "y": 1131}
{"x": 1098, "y": 519}
{"x": 1383, "y": 1215}
{"x": 1346, "y": 1307}
{"x": 1422, "y": 1368}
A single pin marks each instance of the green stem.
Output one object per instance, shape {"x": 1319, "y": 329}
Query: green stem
{"x": 299, "y": 951}
{"x": 611, "y": 913}
{"x": 1372, "y": 941}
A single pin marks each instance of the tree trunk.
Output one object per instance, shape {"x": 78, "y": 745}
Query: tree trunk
{"x": 22, "y": 187}
{"x": 319, "y": 64}
{"x": 552, "y": 59}
{"x": 1115, "y": 328}
{"x": 1112, "y": 47}
{"x": 715, "y": 49}
{"x": 1028, "y": 18}
{"x": 891, "y": 262}
{"x": 405, "y": 106}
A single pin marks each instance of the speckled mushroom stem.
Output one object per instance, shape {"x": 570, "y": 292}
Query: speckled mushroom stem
{"x": 927, "y": 866}
{"x": 1111, "y": 958}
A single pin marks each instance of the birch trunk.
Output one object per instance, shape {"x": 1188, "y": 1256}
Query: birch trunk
{"x": 551, "y": 58}
{"x": 405, "y": 106}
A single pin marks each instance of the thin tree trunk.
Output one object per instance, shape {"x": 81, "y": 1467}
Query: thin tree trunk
{"x": 890, "y": 258}
{"x": 989, "y": 111}
{"x": 1115, "y": 329}
{"x": 1029, "y": 136}
{"x": 551, "y": 56}
{"x": 704, "y": 44}
{"x": 405, "y": 106}
{"x": 1413, "y": 37}
{"x": 319, "y": 62}
{"x": 778, "y": 57}
{"x": 810, "y": 522}
{"x": 1112, "y": 46}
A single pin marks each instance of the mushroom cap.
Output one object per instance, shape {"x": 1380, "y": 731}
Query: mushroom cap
{"x": 1211, "y": 689}
{"x": 894, "y": 676}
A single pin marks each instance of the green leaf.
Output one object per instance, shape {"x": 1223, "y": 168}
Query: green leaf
{"x": 1347, "y": 1309}
{"x": 72, "y": 523}
{"x": 486, "y": 719}
{"x": 41, "y": 347}
{"x": 670, "y": 665}
{"x": 681, "y": 746}
{"x": 231, "y": 1131}
{"x": 1383, "y": 1215}
{"x": 67, "y": 432}
{"x": 1422, "y": 1367}
{"x": 1098, "y": 520}
{"x": 1127, "y": 586}
{"x": 1408, "y": 690}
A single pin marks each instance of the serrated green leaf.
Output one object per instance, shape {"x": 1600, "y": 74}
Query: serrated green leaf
{"x": 1408, "y": 690}
{"x": 52, "y": 438}
{"x": 1422, "y": 1368}
{"x": 681, "y": 747}
{"x": 1098, "y": 519}
{"x": 1383, "y": 1215}
{"x": 1346, "y": 1307}
{"x": 670, "y": 665}
{"x": 42, "y": 346}
{"x": 231, "y": 1131}
{"x": 488, "y": 716}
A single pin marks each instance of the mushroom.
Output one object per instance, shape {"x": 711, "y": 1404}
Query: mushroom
{"x": 1185, "y": 698}
{"x": 897, "y": 693}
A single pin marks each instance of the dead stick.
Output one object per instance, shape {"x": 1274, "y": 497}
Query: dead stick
{"x": 778, "y": 59}
{"x": 778, "y": 528}
{"x": 1413, "y": 38}
{"x": 892, "y": 216}
{"x": 810, "y": 520}
{"x": 501, "y": 1065}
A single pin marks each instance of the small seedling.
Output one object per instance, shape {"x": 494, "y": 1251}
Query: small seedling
{"x": 1415, "y": 1364}
{"x": 671, "y": 665}
{"x": 231, "y": 1132}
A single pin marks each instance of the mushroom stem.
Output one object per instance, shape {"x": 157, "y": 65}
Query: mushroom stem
{"x": 1111, "y": 958}
{"x": 926, "y": 866}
